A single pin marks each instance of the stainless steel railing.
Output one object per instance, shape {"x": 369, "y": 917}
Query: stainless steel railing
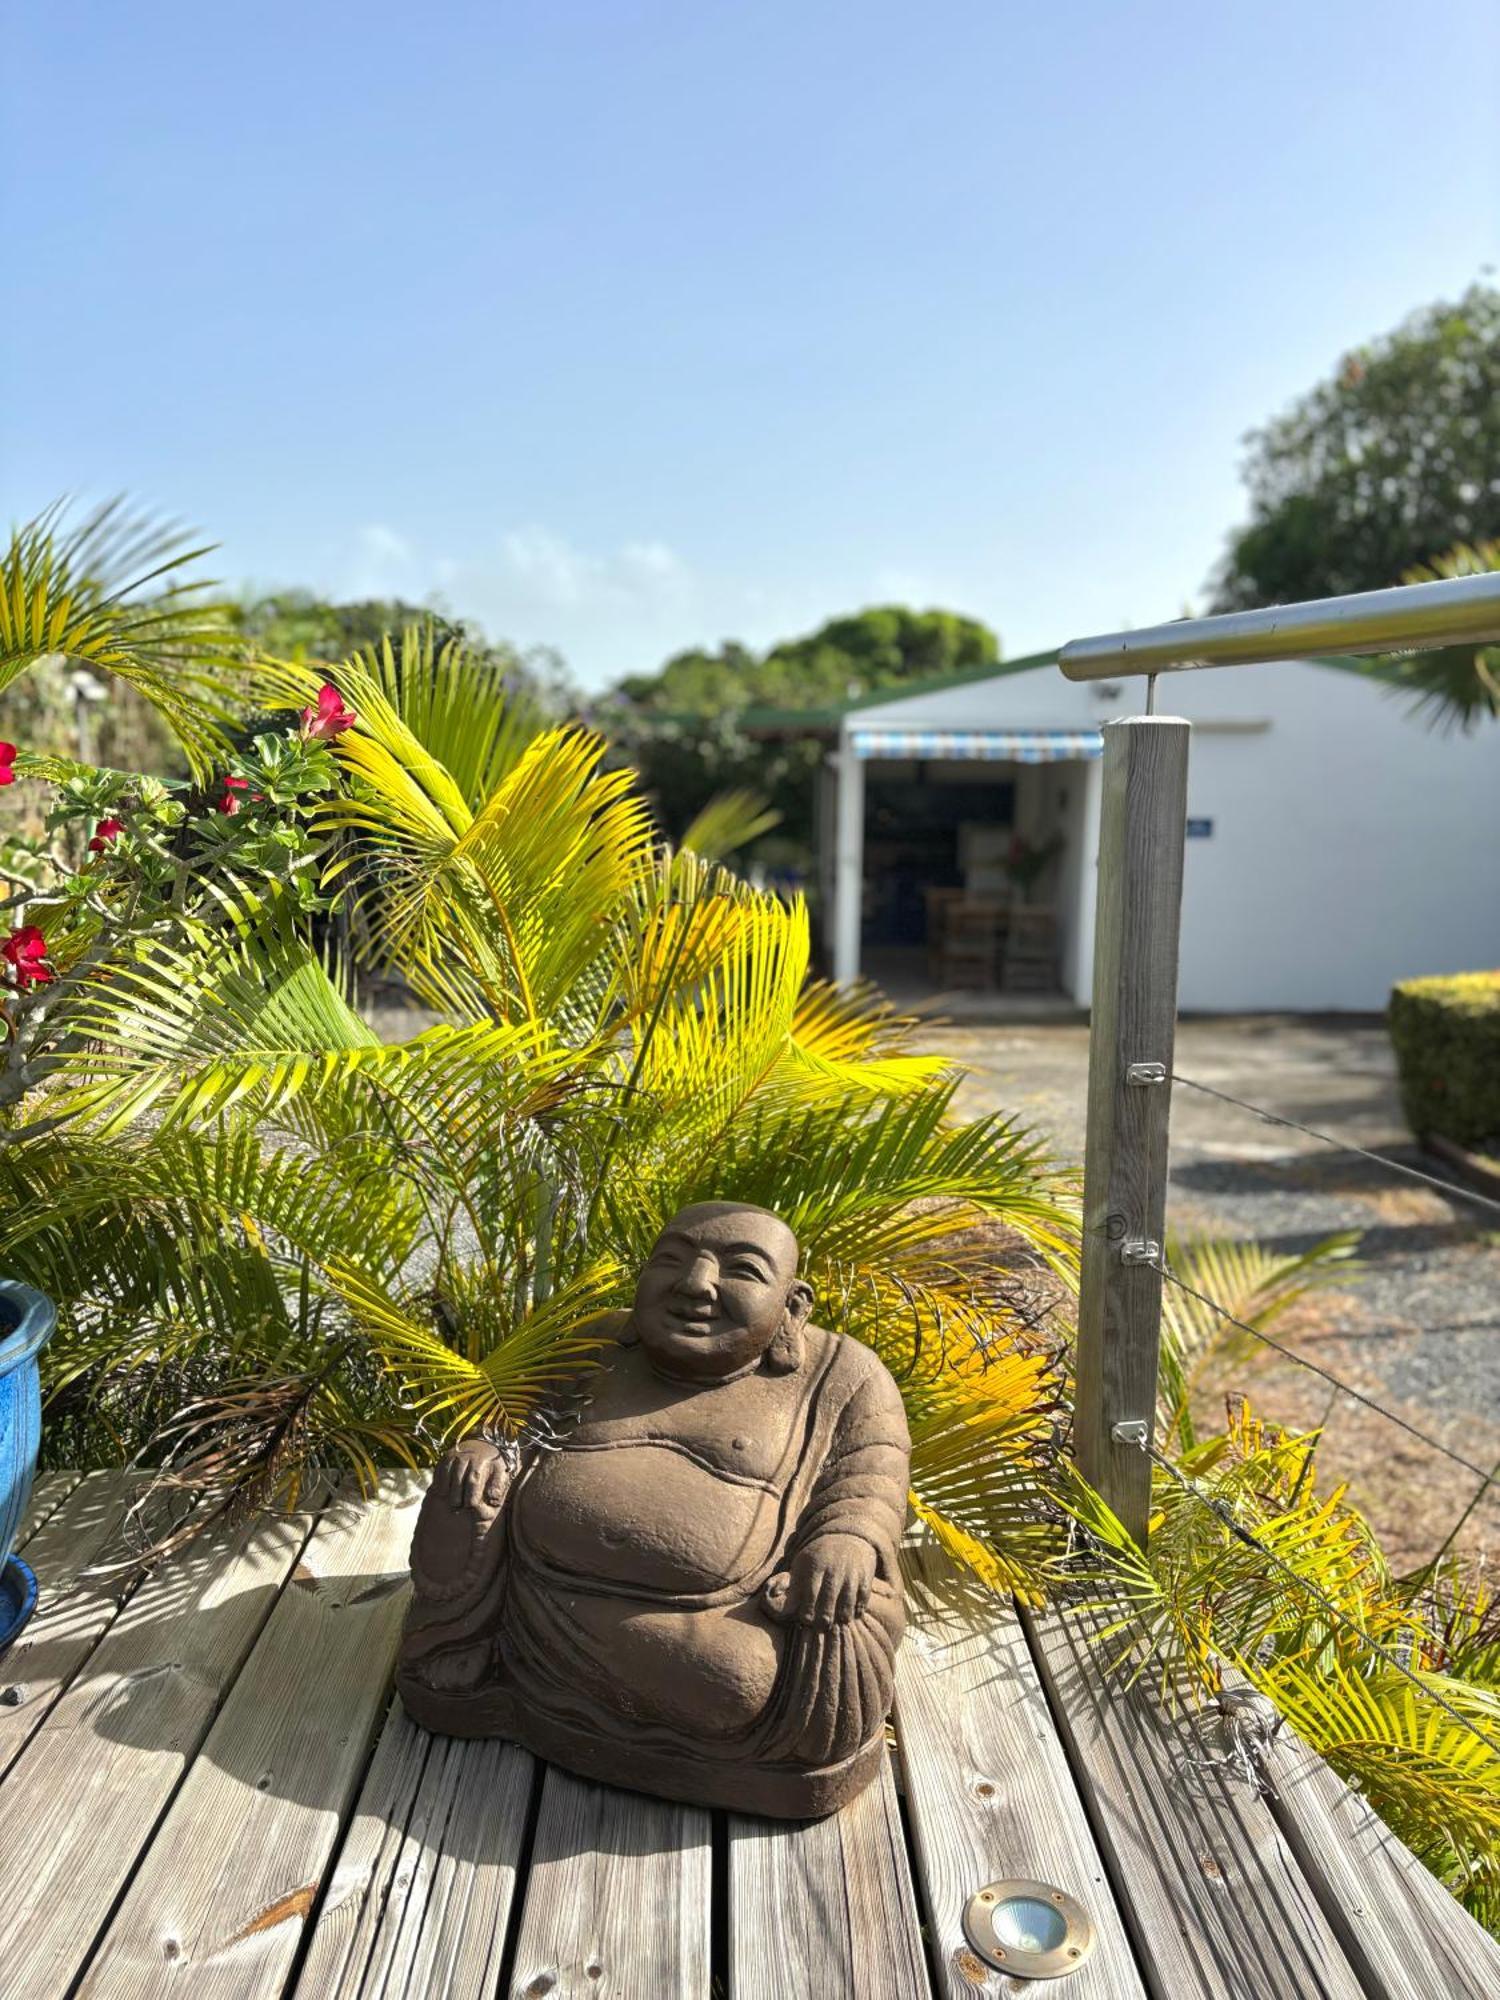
{"x": 1410, "y": 618}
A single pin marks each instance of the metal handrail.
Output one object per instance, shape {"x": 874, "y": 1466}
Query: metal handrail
{"x": 1460, "y": 611}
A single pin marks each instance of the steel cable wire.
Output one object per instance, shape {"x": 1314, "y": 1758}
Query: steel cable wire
{"x": 1343, "y": 1145}
{"x": 1291, "y": 1354}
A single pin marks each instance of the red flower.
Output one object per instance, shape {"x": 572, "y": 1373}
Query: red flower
{"x": 25, "y": 950}
{"x": 330, "y": 718}
{"x": 7, "y": 758}
{"x": 106, "y": 831}
{"x": 229, "y": 803}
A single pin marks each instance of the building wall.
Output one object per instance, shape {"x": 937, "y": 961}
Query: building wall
{"x": 1351, "y": 846}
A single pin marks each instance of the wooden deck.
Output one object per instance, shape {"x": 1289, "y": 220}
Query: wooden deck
{"x": 207, "y": 1790}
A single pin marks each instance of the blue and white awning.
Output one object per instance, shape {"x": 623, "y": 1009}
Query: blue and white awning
{"x": 987, "y": 746}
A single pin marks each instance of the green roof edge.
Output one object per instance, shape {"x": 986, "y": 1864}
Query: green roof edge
{"x": 1367, "y": 667}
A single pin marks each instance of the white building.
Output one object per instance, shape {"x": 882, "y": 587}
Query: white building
{"x": 1336, "y": 844}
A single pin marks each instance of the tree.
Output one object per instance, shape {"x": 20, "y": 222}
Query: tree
{"x": 299, "y": 625}
{"x": 687, "y": 732}
{"x": 1388, "y": 463}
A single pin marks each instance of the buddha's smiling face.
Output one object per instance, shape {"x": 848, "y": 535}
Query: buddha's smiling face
{"x": 717, "y": 1289}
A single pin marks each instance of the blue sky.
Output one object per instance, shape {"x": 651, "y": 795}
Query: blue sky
{"x": 633, "y": 326}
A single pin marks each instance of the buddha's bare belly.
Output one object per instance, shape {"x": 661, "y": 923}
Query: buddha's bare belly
{"x": 645, "y": 1516}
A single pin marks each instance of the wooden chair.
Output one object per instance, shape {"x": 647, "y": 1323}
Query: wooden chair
{"x": 1030, "y": 958}
{"x": 970, "y": 951}
{"x": 939, "y": 902}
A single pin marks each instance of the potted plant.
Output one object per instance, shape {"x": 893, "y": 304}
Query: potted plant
{"x": 27, "y": 1319}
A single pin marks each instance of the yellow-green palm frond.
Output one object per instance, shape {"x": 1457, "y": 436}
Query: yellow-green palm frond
{"x": 1452, "y": 686}
{"x": 124, "y": 1223}
{"x": 1203, "y": 1595}
{"x": 981, "y": 1472}
{"x": 515, "y": 901}
{"x": 847, "y": 1040}
{"x": 110, "y": 593}
{"x": 1417, "y": 1764}
{"x": 499, "y": 1362}
{"x": 939, "y": 1312}
{"x": 1254, "y": 1285}
{"x": 194, "y": 1024}
{"x": 710, "y": 1047}
{"x": 458, "y": 705}
{"x": 555, "y": 851}
{"x": 729, "y": 821}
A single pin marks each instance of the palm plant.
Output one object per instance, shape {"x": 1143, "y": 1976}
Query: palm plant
{"x": 279, "y": 1242}
{"x": 1451, "y": 686}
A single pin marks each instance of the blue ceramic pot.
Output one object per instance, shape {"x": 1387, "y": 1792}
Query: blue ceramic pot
{"x": 27, "y": 1320}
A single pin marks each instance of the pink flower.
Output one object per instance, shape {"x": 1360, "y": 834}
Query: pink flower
{"x": 230, "y": 803}
{"x": 106, "y": 831}
{"x": 7, "y": 758}
{"x": 25, "y": 951}
{"x": 330, "y": 718}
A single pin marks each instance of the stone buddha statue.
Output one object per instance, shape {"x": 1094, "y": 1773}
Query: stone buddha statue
{"x": 694, "y": 1589}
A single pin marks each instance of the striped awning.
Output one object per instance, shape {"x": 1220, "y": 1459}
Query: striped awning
{"x": 988, "y": 746}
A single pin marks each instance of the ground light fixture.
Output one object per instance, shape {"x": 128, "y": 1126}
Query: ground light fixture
{"x": 1029, "y": 1929}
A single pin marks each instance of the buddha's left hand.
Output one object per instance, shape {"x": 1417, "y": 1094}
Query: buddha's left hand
{"x": 829, "y": 1581}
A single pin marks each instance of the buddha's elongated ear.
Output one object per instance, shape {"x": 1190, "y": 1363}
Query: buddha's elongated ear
{"x": 784, "y": 1355}
{"x": 626, "y": 1333}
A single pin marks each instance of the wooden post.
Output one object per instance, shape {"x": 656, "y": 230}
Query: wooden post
{"x": 1139, "y": 909}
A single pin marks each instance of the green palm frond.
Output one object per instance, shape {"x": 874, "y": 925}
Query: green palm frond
{"x": 729, "y": 821}
{"x": 192, "y": 1024}
{"x": 111, "y": 594}
{"x": 1254, "y": 1285}
{"x": 983, "y": 1456}
{"x": 457, "y": 704}
{"x": 1452, "y": 686}
{"x": 1418, "y": 1765}
{"x": 508, "y": 1362}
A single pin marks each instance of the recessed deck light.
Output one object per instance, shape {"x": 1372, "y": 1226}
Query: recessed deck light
{"x": 1029, "y": 1929}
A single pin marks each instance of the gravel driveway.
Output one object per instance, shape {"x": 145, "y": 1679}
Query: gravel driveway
{"x": 1419, "y": 1326}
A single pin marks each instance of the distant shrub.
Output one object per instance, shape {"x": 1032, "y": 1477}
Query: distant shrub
{"x": 1446, "y": 1035}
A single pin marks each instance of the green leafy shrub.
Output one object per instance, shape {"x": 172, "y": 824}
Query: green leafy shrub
{"x": 1446, "y": 1034}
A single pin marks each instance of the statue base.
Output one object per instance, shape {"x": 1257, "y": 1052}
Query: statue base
{"x": 771, "y": 1791}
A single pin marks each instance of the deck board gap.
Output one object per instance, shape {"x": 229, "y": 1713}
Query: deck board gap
{"x": 718, "y": 1903}
{"x": 1098, "y": 1826}
{"x": 523, "y": 1882}
{"x": 330, "y": 1873}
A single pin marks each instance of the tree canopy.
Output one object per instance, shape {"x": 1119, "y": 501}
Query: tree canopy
{"x": 298, "y": 624}
{"x": 682, "y": 727}
{"x": 855, "y": 654}
{"x": 1389, "y": 463}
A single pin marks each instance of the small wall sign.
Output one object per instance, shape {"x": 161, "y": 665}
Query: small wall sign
{"x": 1200, "y": 829}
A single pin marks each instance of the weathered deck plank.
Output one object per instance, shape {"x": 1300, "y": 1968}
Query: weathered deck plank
{"x": 618, "y": 1897}
{"x": 82, "y": 1802}
{"x": 988, "y": 1788}
{"x": 1214, "y": 1898}
{"x": 423, "y": 1885}
{"x": 1405, "y": 1935}
{"x": 73, "y": 1613}
{"x": 218, "y": 1904}
{"x": 48, "y": 1492}
{"x": 825, "y": 1907}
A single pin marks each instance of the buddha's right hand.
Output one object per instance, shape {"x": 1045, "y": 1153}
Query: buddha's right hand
{"x": 474, "y": 1474}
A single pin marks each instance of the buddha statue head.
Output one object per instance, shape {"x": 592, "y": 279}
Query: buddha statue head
{"x": 720, "y": 1296}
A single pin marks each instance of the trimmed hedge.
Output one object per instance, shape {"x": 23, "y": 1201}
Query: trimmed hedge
{"x": 1446, "y": 1035}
